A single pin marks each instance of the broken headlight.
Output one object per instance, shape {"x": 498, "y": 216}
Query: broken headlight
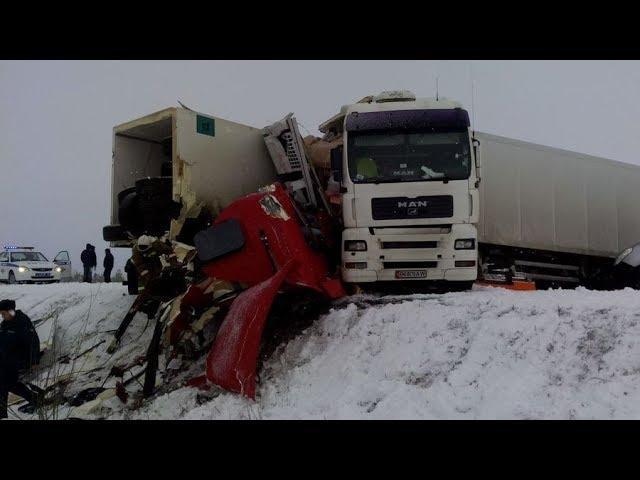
{"x": 465, "y": 244}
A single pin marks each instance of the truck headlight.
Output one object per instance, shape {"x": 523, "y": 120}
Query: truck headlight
{"x": 625, "y": 253}
{"x": 465, "y": 244}
{"x": 58, "y": 269}
{"x": 23, "y": 269}
{"x": 355, "y": 246}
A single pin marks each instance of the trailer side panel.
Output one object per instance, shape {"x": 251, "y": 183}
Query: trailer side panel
{"x": 537, "y": 197}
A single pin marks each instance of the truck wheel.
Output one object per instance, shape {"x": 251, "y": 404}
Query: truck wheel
{"x": 155, "y": 204}
{"x": 128, "y": 216}
{"x": 12, "y": 278}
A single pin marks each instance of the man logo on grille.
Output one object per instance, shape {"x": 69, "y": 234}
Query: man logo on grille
{"x": 412, "y": 211}
{"x": 413, "y": 204}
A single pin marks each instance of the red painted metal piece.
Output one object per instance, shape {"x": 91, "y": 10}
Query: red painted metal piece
{"x": 194, "y": 298}
{"x": 232, "y": 361}
{"x": 273, "y": 236}
{"x": 275, "y": 256}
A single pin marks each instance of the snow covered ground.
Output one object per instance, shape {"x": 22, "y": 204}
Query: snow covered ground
{"x": 485, "y": 354}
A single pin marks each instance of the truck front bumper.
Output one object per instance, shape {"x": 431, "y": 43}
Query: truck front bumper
{"x": 404, "y": 262}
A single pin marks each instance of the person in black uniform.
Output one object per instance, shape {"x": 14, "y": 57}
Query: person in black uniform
{"x": 108, "y": 265}
{"x": 89, "y": 262}
{"x": 19, "y": 350}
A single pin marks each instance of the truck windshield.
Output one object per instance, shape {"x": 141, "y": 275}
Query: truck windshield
{"x": 408, "y": 156}
{"x": 27, "y": 257}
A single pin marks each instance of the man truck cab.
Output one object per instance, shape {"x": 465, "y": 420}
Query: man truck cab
{"x": 407, "y": 171}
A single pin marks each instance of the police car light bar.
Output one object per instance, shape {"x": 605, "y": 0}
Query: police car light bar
{"x": 14, "y": 247}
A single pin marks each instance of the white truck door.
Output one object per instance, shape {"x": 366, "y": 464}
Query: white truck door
{"x": 63, "y": 261}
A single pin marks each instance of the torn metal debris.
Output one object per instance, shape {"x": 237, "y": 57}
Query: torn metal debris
{"x": 206, "y": 275}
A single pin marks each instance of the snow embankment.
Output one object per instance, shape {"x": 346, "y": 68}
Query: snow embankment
{"x": 485, "y": 354}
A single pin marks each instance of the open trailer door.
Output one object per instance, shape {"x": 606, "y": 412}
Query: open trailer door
{"x": 63, "y": 261}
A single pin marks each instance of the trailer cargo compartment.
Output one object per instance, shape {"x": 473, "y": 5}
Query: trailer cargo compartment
{"x": 537, "y": 197}
{"x": 175, "y": 158}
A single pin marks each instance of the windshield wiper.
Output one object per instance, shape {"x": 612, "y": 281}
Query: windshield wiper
{"x": 380, "y": 179}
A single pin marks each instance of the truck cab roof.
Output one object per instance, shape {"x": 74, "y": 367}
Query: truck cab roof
{"x": 386, "y": 101}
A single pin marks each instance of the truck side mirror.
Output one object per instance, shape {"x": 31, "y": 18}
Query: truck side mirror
{"x": 478, "y": 162}
{"x": 336, "y": 163}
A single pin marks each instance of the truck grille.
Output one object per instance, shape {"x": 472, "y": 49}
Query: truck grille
{"x": 410, "y": 264}
{"x": 398, "y": 208}
{"x": 390, "y": 245}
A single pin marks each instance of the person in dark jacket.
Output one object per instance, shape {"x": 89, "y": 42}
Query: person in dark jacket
{"x": 108, "y": 265}
{"x": 19, "y": 350}
{"x": 89, "y": 262}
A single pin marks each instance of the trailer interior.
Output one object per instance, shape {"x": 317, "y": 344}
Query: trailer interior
{"x": 143, "y": 154}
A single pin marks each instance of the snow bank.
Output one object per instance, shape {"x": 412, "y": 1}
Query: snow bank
{"x": 485, "y": 354}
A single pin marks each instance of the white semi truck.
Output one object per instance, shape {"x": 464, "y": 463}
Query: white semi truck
{"x": 426, "y": 198}
{"x": 409, "y": 181}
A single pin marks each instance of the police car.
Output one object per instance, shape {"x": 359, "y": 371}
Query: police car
{"x": 24, "y": 265}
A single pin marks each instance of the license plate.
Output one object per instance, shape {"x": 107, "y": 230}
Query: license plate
{"x": 411, "y": 274}
{"x": 43, "y": 275}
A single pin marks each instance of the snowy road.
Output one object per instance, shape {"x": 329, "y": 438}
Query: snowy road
{"x": 485, "y": 354}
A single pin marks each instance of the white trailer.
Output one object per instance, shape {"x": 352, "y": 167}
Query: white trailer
{"x": 167, "y": 162}
{"x": 552, "y": 212}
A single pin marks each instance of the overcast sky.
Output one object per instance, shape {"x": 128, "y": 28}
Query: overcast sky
{"x": 56, "y": 118}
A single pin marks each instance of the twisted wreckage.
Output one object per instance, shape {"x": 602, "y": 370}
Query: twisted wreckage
{"x": 221, "y": 218}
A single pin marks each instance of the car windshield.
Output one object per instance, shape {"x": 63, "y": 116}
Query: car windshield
{"x": 408, "y": 156}
{"x": 27, "y": 257}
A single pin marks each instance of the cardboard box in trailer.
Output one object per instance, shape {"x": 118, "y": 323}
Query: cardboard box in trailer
{"x": 538, "y": 198}
{"x": 172, "y": 164}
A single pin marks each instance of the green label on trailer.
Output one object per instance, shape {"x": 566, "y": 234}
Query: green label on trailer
{"x": 205, "y": 126}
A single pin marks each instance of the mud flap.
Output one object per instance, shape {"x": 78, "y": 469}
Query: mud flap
{"x": 232, "y": 361}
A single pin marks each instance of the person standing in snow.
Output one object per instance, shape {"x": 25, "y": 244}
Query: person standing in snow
{"x": 108, "y": 265}
{"x": 19, "y": 350}
{"x": 89, "y": 262}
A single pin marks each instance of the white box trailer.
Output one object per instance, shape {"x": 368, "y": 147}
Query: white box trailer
{"x": 200, "y": 158}
{"x": 538, "y": 197}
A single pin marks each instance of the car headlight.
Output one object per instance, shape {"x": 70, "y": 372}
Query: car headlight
{"x": 465, "y": 244}
{"x": 355, "y": 245}
{"x": 625, "y": 253}
{"x": 58, "y": 269}
{"x": 23, "y": 269}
